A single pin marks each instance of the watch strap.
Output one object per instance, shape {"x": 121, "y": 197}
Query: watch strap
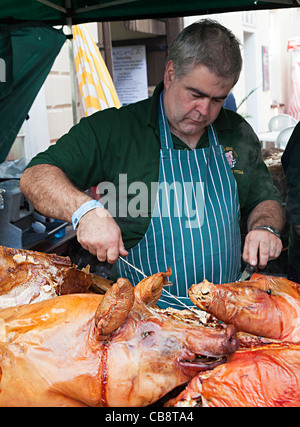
{"x": 268, "y": 228}
{"x": 83, "y": 209}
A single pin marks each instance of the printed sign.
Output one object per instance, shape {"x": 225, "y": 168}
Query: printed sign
{"x": 130, "y": 73}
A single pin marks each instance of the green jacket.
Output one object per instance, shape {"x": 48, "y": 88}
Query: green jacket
{"x": 126, "y": 142}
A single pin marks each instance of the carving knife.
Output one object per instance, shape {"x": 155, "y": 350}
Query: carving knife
{"x": 247, "y": 273}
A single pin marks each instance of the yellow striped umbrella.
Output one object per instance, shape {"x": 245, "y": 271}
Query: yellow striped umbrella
{"x": 96, "y": 86}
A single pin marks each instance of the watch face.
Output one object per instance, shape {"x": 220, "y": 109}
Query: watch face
{"x": 273, "y": 230}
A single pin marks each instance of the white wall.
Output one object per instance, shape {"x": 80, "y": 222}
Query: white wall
{"x": 271, "y": 28}
{"x": 288, "y": 22}
{"x": 58, "y": 96}
{"x": 36, "y": 129}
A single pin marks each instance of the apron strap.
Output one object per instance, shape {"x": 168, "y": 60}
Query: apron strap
{"x": 212, "y": 136}
{"x": 165, "y": 134}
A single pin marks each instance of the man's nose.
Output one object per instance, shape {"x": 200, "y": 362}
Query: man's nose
{"x": 203, "y": 106}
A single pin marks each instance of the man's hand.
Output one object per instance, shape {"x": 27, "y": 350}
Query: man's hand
{"x": 260, "y": 247}
{"x": 101, "y": 236}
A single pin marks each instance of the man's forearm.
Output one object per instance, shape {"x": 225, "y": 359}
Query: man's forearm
{"x": 268, "y": 212}
{"x": 51, "y": 192}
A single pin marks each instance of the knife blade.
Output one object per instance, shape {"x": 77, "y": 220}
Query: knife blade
{"x": 132, "y": 266}
{"x": 247, "y": 273}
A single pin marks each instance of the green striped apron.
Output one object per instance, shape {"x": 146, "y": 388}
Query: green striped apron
{"x": 194, "y": 228}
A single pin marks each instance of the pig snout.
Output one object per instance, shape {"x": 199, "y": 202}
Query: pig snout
{"x": 233, "y": 341}
{"x": 208, "y": 348}
{"x": 226, "y": 342}
{"x": 214, "y": 342}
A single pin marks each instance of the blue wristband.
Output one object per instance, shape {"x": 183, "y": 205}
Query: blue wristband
{"x": 85, "y": 208}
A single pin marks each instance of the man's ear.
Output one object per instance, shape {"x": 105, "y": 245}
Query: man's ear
{"x": 169, "y": 75}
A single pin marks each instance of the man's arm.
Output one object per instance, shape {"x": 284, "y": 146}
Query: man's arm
{"x": 262, "y": 246}
{"x": 51, "y": 192}
{"x": 54, "y": 195}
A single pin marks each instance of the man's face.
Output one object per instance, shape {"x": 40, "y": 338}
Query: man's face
{"x": 193, "y": 101}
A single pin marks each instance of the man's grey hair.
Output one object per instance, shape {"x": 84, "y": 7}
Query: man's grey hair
{"x": 208, "y": 43}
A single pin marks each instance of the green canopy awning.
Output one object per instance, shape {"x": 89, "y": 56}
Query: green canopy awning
{"x": 56, "y": 11}
{"x": 28, "y": 52}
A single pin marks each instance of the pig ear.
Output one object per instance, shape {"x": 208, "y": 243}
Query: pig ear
{"x": 149, "y": 289}
{"x": 114, "y": 308}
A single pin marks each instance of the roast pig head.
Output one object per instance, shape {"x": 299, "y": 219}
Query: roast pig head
{"x": 268, "y": 306}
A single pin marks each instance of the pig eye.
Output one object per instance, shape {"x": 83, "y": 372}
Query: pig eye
{"x": 269, "y": 292}
{"x": 145, "y": 334}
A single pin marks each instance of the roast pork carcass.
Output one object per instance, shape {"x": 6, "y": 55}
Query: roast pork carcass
{"x": 28, "y": 276}
{"x": 266, "y": 376}
{"x": 112, "y": 350}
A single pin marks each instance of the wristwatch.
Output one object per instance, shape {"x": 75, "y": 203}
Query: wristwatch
{"x": 268, "y": 228}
